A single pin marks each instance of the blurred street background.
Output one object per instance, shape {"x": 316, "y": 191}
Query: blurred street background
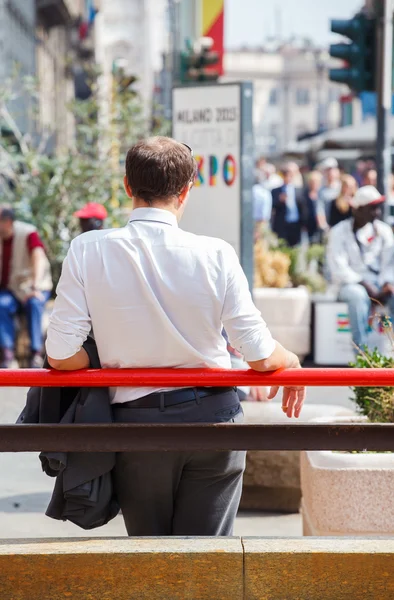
{"x": 287, "y": 107}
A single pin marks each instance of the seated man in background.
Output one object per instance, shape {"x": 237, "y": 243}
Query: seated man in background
{"x": 359, "y": 255}
{"x": 26, "y": 285}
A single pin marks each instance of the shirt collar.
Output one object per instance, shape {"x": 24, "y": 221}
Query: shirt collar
{"x": 154, "y": 214}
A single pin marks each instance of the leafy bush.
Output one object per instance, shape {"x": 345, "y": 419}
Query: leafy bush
{"x": 376, "y": 403}
{"x": 280, "y": 266}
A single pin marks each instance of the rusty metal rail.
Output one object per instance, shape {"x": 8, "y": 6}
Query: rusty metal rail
{"x": 127, "y": 437}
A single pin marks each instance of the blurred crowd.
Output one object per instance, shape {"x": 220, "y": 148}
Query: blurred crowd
{"x": 345, "y": 212}
{"x": 292, "y": 201}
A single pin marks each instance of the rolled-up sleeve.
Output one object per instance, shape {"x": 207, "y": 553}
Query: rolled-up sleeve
{"x": 70, "y": 322}
{"x": 244, "y": 325}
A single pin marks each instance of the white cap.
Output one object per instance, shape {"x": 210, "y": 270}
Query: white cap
{"x": 368, "y": 194}
{"x": 328, "y": 163}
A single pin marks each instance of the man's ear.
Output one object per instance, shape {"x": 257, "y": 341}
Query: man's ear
{"x": 184, "y": 193}
{"x": 127, "y": 188}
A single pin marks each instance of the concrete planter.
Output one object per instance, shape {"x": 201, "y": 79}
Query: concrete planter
{"x": 347, "y": 494}
{"x": 287, "y": 313}
{"x": 272, "y": 479}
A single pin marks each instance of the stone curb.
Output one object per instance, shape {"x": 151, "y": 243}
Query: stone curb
{"x": 197, "y": 569}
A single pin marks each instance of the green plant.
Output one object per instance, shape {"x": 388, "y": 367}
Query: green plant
{"x": 47, "y": 187}
{"x": 376, "y": 403}
{"x": 305, "y": 264}
{"x": 316, "y": 252}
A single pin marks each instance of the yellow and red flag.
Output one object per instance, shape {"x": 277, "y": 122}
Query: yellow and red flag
{"x": 213, "y": 27}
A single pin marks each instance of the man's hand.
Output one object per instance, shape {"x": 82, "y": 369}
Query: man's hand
{"x": 293, "y": 397}
{"x": 283, "y": 198}
{"x": 371, "y": 289}
{"x": 35, "y": 294}
{"x": 259, "y": 394}
{"x": 386, "y": 292}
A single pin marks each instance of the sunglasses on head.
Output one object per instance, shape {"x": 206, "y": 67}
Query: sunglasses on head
{"x": 188, "y": 147}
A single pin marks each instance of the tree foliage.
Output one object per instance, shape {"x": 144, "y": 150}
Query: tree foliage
{"x": 46, "y": 186}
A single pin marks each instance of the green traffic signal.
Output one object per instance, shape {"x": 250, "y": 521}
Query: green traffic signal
{"x": 346, "y": 27}
{"x": 192, "y": 66}
{"x": 345, "y": 51}
{"x": 358, "y": 73}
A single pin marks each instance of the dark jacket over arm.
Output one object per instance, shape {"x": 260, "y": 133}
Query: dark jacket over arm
{"x": 83, "y": 492}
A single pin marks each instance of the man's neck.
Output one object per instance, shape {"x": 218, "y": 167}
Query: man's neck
{"x": 169, "y": 207}
{"x": 357, "y": 226}
{"x": 160, "y": 205}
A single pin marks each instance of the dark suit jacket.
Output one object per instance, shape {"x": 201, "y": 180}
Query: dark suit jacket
{"x": 310, "y": 213}
{"x": 279, "y": 210}
{"x": 83, "y": 492}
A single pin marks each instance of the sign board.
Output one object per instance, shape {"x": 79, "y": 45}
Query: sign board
{"x": 216, "y": 122}
{"x": 333, "y": 338}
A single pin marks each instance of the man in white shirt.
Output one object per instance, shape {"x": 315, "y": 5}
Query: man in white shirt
{"x": 157, "y": 296}
{"x": 360, "y": 261}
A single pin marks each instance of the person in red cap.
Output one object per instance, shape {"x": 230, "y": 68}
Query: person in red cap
{"x": 360, "y": 260}
{"x": 91, "y": 216}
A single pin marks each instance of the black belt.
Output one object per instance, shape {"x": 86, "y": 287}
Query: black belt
{"x": 173, "y": 397}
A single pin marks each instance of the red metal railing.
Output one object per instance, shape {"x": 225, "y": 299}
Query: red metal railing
{"x": 126, "y": 437}
{"x": 195, "y": 377}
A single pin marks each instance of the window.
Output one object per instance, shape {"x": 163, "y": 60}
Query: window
{"x": 302, "y": 96}
{"x": 274, "y": 97}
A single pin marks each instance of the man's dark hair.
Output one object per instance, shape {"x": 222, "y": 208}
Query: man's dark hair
{"x": 7, "y": 213}
{"x": 159, "y": 168}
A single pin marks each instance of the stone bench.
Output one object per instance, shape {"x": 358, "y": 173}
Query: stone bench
{"x": 272, "y": 479}
{"x": 288, "y": 315}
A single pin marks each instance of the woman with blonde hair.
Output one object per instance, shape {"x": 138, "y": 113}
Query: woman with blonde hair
{"x": 341, "y": 207}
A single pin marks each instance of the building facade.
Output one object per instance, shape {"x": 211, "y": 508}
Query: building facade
{"x": 35, "y": 40}
{"x": 131, "y": 33}
{"x": 55, "y": 22}
{"x": 17, "y": 45}
{"x": 292, "y": 93}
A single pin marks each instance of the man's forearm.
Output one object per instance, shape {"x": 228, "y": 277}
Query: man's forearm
{"x": 80, "y": 360}
{"x": 279, "y": 359}
{"x": 37, "y": 266}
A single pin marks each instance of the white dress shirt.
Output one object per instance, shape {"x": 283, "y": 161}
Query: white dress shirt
{"x": 262, "y": 203}
{"x": 369, "y": 257}
{"x": 155, "y": 296}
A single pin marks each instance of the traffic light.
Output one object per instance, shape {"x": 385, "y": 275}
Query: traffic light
{"x": 194, "y": 63}
{"x": 359, "y": 55}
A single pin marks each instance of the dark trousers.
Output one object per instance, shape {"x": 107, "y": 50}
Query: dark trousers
{"x": 293, "y": 234}
{"x": 33, "y": 309}
{"x": 180, "y": 493}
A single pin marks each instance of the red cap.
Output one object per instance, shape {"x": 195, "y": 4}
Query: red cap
{"x": 92, "y": 210}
